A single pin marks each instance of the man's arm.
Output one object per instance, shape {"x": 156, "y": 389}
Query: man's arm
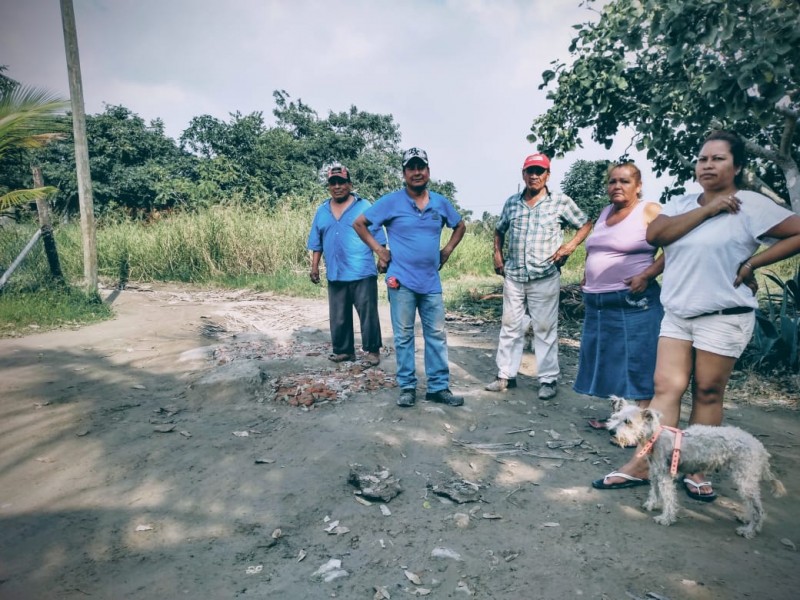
{"x": 562, "y": 254}
{"x": 455, "y": 238}
{"x": 499, "y": 261}
{"x": 361, "y": 225}
{"x": 315, "y": 257}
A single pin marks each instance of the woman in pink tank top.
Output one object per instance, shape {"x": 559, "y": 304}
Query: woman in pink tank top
{"x": 621, "y": 296}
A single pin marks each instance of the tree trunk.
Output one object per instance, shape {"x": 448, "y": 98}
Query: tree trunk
{"x": 49, "y": 241}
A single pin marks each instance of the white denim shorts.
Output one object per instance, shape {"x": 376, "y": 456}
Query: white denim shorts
{"x": 726, "y": 335}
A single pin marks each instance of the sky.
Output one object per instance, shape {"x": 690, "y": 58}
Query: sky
{"x": 460, "y": 77}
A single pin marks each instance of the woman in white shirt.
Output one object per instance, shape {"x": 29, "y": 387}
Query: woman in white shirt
{"x": 709, "y": 240}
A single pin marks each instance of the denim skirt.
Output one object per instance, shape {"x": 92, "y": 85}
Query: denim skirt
{"x": 618, "y": 343}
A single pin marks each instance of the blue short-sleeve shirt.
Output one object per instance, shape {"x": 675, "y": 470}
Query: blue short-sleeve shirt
{"x": 347, "y": 258}
{"x": 414, "y": 237}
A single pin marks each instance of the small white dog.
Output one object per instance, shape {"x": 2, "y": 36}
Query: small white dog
{"x": 702, "y": 449}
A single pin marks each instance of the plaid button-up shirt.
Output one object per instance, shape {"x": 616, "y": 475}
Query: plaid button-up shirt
{"x": 533, "y": 235}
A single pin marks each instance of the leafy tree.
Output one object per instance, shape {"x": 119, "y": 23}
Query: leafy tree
{"x": 585, "y": 182}
{"x": 135, "y": 166}
{"x": 673, "y": 70}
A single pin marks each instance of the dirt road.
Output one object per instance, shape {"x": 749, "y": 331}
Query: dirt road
{"x": 168, "y": 454}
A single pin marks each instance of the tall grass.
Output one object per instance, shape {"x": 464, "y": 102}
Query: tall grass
{"x": 237, "y": 245}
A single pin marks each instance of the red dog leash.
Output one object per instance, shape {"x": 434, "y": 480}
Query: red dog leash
{"x": 676, "y": 449}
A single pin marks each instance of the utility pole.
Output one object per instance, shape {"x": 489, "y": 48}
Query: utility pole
{"x": 43, "y": 208}
{"x": 81, "y": 147}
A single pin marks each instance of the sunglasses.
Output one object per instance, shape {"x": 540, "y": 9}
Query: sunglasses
{"x": 336, "y": 181}
{"x": 535, "y": 171}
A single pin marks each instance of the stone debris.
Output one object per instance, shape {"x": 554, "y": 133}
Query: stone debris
{"x": 552, "y": 444}
{"x": 440, "y": 552}
{"x": 463, "y": 588}
{"x": 254, "y": 570}
{"x": 330, "y": 570}
{"x": 457, "y": 490}
{"x": 335, "y": 529}
{"x": 329, "y": 385}
{"x": 461, "y": 520}
{"x": 376, "y": 485}
{"x": 412, "y": 577}
{"x": 381, "y": 593}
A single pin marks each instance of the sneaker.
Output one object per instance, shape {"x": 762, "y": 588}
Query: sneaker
{"x": 501, "y": 385}
{"x": 547, "y": 390}
{"x": 408, "y": 397}
{"x": 445, "y": 396}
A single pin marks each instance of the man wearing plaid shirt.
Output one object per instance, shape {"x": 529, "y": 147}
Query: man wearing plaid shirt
{"x": 532, "y": 221}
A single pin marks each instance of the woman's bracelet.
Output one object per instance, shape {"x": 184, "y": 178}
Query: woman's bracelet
{"x": 748, "y": 265}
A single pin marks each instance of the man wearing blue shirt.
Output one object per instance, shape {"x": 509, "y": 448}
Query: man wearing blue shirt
{"x": 350, "y": 265}
{"x": 414, "y": 218}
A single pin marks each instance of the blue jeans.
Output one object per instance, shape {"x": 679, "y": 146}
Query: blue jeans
{"x": 404, "y": 305}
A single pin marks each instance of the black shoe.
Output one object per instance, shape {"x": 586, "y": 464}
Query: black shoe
{"x": 547, "y": 390}
{"x": 445, "y": 396}
{"x": 408, "y": 397}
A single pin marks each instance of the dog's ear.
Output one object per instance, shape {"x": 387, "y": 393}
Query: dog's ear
{"x": 650, "y": 416}
{"x": 617, "y": 403}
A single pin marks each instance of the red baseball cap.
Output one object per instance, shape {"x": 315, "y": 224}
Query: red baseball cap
{"x": 536, "y": 160}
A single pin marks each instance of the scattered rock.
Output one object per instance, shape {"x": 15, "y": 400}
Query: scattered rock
{"x": 330, "y": 570}
{"x": 457, "y": 490}
{"x": 441, "y": 552}
{"x": 376, "y": 485}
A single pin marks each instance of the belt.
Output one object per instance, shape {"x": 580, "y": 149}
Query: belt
{"x": 736, "y": 310}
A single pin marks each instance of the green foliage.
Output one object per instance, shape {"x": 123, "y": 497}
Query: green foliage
{"x": 585, "y": 183}
{"x": 671, "y": 71}
{"x": 135, "y": 168}
{"x": 24, "y": 311}
{"x": 777, "y": 333}
{"x": 27, "y": 121}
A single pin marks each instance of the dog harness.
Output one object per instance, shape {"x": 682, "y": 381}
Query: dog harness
{"x": 676, "y": 449}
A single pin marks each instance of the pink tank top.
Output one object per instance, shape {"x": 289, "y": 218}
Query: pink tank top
{"x": 616, "y": 252}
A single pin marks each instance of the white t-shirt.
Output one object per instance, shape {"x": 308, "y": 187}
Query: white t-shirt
{"x": 701, "y": 266}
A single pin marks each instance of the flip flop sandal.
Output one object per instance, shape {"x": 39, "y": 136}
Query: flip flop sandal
{"x": 630, "y": 481}
{"x": 695, "y": 494}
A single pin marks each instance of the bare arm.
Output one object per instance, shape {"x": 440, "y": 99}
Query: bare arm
{"x": 788, "y": 234}
{"x": 315, "y": 257}
{"x": 455, "y": 238}
{"x": 562, "y": 254}
{"x": 638, "y": 283}
{"x": 361, "y": 225}
{"x": 665, "y": 230}
{"x": 499, "y": 261}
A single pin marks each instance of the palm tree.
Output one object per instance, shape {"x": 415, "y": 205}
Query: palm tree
{"x": 27, "y": 120}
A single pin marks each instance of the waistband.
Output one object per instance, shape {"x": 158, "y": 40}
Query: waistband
{"x": 735, "y": 310}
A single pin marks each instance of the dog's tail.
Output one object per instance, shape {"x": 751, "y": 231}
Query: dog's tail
{"x": 778, "y": 488}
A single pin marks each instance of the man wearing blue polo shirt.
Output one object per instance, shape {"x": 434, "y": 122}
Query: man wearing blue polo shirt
{"x": 414, "y": 218}
{"x": 350, "y": 265}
